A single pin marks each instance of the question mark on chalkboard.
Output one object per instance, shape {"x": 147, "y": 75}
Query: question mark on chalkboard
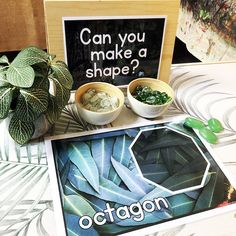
{"x": 135, "y": 64}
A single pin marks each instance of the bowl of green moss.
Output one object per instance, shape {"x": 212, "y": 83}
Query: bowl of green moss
{"x": 149, "y": 97}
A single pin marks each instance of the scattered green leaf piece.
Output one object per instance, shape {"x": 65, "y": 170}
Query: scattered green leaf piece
{"x": 53, "y": 111}
{"x": 25, "y": 111}
{"x": 208, "y": 135}
{"x": 194, "y": 123}
{"x": 5, "y": 101}
{"x": 215, "y": 125}
{"x": 62, "y": 74}
{"x": 20, "y": 76}
{"x": 20, "y": 131}
{"x": 30, "y": 56}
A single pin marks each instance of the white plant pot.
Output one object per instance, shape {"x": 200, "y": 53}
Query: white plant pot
{"x": 41, "y": 125}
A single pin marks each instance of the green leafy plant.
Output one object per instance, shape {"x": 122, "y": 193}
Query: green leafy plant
{"x": 26, "y": 90}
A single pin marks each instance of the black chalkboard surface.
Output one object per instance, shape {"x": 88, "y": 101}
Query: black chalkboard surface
{"x": 113, "y": 50}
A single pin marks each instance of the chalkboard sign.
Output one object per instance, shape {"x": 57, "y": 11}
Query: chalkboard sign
{"x": 114, "y": 50}
{"x": 112, "y": 40}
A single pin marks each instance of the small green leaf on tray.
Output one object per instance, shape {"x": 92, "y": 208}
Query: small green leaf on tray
{"x": 215, "y": 125}
{"x": 194, "y": 123}
{"x": 208, "y": 135}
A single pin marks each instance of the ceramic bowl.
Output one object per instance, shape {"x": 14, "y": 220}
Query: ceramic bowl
{"x": 99, "y": 118}
{"x": 146, "y": 110}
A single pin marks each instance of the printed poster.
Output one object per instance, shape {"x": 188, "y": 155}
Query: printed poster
{"x": 113, "y": 49}
{"x": 135, "y": 181}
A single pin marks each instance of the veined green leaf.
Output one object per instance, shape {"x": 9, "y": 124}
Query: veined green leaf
{"x": 3, "y": 79}
{"x": 37, "y": 98}
{"x": 4, "y": 59}
{"x": 177, "y": 182}
{"x": 77, "y": 205}
{"x": 61, "y": 63}
{"x": 30, "y": 56}
{"x": 62, "y": 93}
{"x": 79, "y": 153}
{"x": 5, "y": 101}
{"x": 20, "y": 76}
{"x": 53, "y": 112}
{"x": 181, "y": 204}
{"x": 134, "y": 183}
{"x": 24, "y": 111}
{"x": 212, "y": 194}
{"x": 41, "y": 83}
{"x": 20, "y": 131}
{"x": 102, "y": 151}
{"x": 62, "y": 74}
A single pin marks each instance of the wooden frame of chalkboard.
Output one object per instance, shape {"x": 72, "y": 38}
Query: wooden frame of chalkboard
{"x": 112, "y": 41}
